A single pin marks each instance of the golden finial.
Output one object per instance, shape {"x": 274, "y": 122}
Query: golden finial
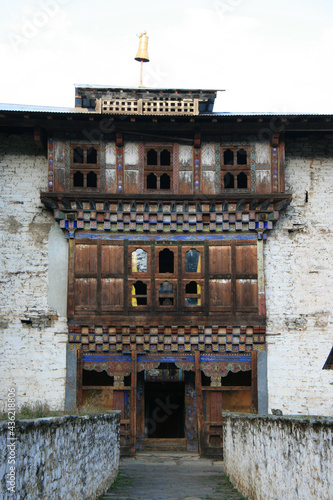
{"x": 142, "y": 54}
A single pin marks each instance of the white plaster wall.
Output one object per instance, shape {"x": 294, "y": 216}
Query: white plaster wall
{"x": 32, "y": 334}
{"x": 65, "y": 457}
{"x": 270, "y": 458}
{"x": 299, "y": 278}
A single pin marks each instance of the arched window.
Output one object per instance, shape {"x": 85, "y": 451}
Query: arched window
{"x": 165, "y": 157}
{"x": 139, "y": 261}
{"x": 242, "y": 180}
{"x": 241, "y": 157}
{"x": 78, "y": 155}
{"x": 166, "y": 261}
{"x": 92, "y": 180}
{"x": 228, "y": 157}
{"x": 165, "y": 181}
{"x": 229, "y": 181}
{"x": 192, "y": 294}
{"x": 152, "y": 157}
{"x": 193, "y": 261}
{"x": 139, "y": 294}
{"x": 91, "y": 155}
{"x": 78, "y": 179}
{"x": 166, "y": 294}
{"x": 151, "y": 181}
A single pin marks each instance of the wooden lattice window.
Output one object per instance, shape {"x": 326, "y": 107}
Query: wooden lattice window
{"x": 158, "y": 168}
{"x": 236, "y": 169}
{"x": 84, "y": 167}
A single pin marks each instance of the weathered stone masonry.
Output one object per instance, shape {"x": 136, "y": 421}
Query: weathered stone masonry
{"x": 298, "y": 276}
{"x": 270, "y": 458}
{"x": 63, "y": 457}
{"x": 32, "y": 331}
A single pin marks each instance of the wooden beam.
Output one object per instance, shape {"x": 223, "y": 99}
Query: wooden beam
{"x": 133, "y": 401}
{"x": 254, "y": 382}
{"x": 79, "y": 374}
{"x": 199, "y": 400}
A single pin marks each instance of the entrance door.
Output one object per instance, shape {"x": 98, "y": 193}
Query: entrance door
{"x": 164, "y": 410}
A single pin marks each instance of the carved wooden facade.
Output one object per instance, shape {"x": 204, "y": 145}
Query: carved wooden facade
{"x": 166, "y": 302}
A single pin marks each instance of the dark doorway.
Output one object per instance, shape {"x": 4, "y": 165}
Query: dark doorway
{"x": 165, "y": 410}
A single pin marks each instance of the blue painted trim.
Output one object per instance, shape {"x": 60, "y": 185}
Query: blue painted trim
{"x": 106, "y": 357}
{"x": 165, "y": 237}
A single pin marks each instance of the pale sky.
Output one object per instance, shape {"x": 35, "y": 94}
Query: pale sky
{"x": 268, "y": 55}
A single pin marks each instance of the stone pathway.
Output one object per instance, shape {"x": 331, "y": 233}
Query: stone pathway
{"x": 171, "y": 476}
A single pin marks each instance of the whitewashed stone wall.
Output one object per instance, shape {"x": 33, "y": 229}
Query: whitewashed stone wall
{"x": 269, "y": 458}
{"x": 64, "y": 457}
{"x": 33, "y": 307}
{"x": 299, "y": 277}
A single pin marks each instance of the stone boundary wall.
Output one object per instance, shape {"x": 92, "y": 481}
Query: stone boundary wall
{"x": 60, "y": 457}
{"x": 268, "y": 457}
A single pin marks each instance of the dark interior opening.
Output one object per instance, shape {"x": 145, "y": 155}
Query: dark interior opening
{"x": 151, "y": 181}
{"x": 91, "y": 155}
{"x": 152, "y": 157}
{"x": 242, "y": 181}
{"x": 78, "y": 155}
{"x": 96, "y": 378}
{"x": 164, "y": 410}
{"x": 166, "y": 261}
{"x": 141, "y": 293}
{"x": 228, "y": 157}
{"x": 165, "y": 182}
{"x": 229, "y": 181}
{"x": 239, "y": 378}
{"x": 78, "y": 179}
{"x": 205, "y": 381}
{"x": 92, "y": 180}
{"x": 165, "y": 157}
{"x": 191, "y": 287}
{"x": 241, "y": 157}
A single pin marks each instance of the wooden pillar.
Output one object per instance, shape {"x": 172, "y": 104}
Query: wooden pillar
{"x": 70, "y": 292}
{"x": 79, "y": 374}
{"x": 261, "y": 279}
{"x": 199, "y": 398}
{"x": 133, "y": 401}
{"x": 254, "y": 381}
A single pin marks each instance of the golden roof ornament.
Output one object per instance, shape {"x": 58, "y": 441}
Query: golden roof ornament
{"x": 142, "y": 54}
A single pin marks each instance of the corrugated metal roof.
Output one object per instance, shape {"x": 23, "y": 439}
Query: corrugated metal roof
{"x": 66, "y": 110}
{"x": 142, "y": 89}
{"x": 40, "y": 109}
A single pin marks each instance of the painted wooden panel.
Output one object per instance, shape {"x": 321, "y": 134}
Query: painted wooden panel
{"x": 208, "y": 182}
{"x": 185, "y": 182}
{"x": 263, "y": 181}
{"x": 216, "y": 406}
{"x": 112, "y": 259}
{"x": 239, "y": 401}
{"x": 219, "y": 259}
{"x": 246, "y": 293}
{"x": 220, "y": 294}
{"x": 110, "y": 180}
{"x": 59, "y": 179}
{"x": 86, "y": 293}
{"x": 246, "y": 259}
{"x": 85, "y": 259}
{"x": 112, "y": 293}
{"x": 131, "y": 181}
{"x": 98, "y": 397}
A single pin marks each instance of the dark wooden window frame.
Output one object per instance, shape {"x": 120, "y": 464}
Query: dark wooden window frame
{"x": 158, "y": 169}
{"x": 239, "y": 277}
{"x": 235, "y": 169}
{"x": 85, "y": 168}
